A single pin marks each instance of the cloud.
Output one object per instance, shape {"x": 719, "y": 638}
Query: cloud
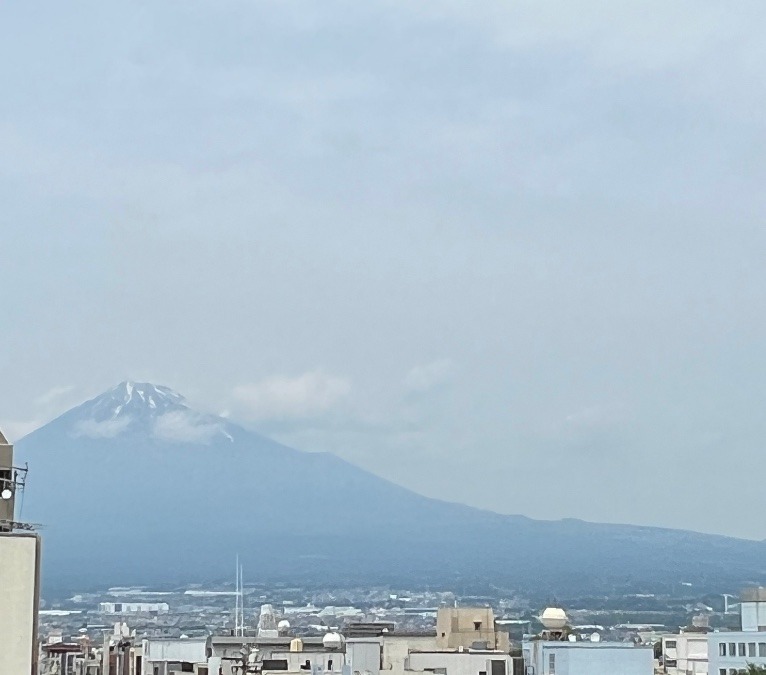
{"x": 429, "y": 376}
{"x": 186, "y": 427}
{"x": 53, "y": 395}
{"x": 284, "y": 397}
{"x": 105, "y": 429}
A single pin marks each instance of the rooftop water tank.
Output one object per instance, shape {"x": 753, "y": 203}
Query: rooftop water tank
{"x": 553, "y": 618}
{"x": 332, "y": 641}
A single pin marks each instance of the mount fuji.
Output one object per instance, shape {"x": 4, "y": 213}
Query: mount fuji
{"x": 134, "y": 486}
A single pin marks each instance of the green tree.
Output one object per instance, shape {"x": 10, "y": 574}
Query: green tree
{"x": 752, "y": 669}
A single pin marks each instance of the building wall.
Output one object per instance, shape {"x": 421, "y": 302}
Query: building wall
{"x": 460, "y": 663}
{"x": 19, "y": 599}
{"x": 752, "y": 643}
{"x": 753, "y": 615}
{"x": 464, "y": 626}
{"x": 364, "y": 655}
{"x": 133, "y": 607}
{"x": 396, "y": 649}
{"x": 689, "y": 652}
{"x": 326, "y": 661}
{"x": 584, "y": 658}
{"x": 190, "y": 650}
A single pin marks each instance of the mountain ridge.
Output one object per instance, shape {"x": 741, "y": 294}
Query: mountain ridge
{"x": 173, "y": 493}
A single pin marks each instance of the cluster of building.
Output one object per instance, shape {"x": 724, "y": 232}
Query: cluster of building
{"x": 143, "y": 632}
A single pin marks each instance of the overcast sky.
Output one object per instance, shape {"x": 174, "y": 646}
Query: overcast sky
{"x": 506, "y": 253}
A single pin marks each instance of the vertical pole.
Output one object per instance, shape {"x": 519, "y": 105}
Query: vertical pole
{"x": 105, "y": 655}
{"x": 236, "y": 597}
{"x": 241, "y": 602}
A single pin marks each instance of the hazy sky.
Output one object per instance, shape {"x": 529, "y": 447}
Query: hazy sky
{"x": 505, "y": 253}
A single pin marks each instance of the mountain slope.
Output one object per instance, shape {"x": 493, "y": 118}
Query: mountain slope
{"x": 134, "y": 486}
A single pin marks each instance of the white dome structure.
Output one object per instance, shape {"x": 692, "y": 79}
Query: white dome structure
{"x": 553, "y": 618}
{"x": 284, "y": 624}
{"x": 332, "y": 641}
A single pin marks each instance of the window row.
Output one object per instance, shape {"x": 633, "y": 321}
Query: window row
{"x": 747, "y": 649}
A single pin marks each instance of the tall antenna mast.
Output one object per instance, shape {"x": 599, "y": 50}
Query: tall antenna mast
{"x": 241, "y": 601}
{"x": 236, "y": 597}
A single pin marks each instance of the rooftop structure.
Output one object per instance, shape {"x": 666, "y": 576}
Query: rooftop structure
{"x": 732, "y": 651}
{"x": 685, "y": 653}
{"x": 468, "y": 627}
{"x": 544, "y": 657}
{"x": 557, "y": 650}
{"x": 19, "y": 574}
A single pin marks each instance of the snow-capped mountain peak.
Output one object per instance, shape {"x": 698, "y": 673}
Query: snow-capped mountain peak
{"x": 135, "y": 399}
{"x": 147, "y": 409}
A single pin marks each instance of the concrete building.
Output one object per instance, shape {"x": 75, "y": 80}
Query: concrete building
{"x": 469, "y": 627}
{"x": 19, "y": 575}
{"x": 133, "y": 607}
{"x": 168, "y": 656}
{"x": 556, "y": 651}
{"x": 732, "y": 651}
{"x": 370, "y": 652}
{"x": 685, "y": 654}
{"x": 544, "y": 657}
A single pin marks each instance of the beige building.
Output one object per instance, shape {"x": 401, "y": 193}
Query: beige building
{"x": 469, "y": 627}
{"x": 385, "y": 652}
{"x": 19, "y": 576}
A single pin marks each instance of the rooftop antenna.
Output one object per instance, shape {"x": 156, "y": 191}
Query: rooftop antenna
{"x": 236, "y": 596}
{"x": 241, "y": 602}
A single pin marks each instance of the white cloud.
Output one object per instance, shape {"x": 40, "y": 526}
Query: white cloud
{"x": 281, "y": 396}
{"x": 185, "y": 427}
{"x": 105, "y": 429}
{"x": 428, "y": 376}
{"x": 53, "y": 395}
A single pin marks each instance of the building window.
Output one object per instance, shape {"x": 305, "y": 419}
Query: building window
{"x": 722, "y": 649}
{"x": 741, "y": 649}
{"x": 722, "y": 671}
{"x": 732, "y": 649}
{"x": 551, "y": 664}
{"x": 477, "y": 625}
{"x": 670, "y": 644}
{"x": 751, "y": 648}
{"x": 762, "y": 649}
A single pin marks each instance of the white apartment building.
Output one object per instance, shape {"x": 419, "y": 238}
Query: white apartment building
{"x": 731, "y": 652}
{"x": 685, "y": 654}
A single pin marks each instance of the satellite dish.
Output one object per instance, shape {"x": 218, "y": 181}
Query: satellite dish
{"x": 7, "y": 493}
